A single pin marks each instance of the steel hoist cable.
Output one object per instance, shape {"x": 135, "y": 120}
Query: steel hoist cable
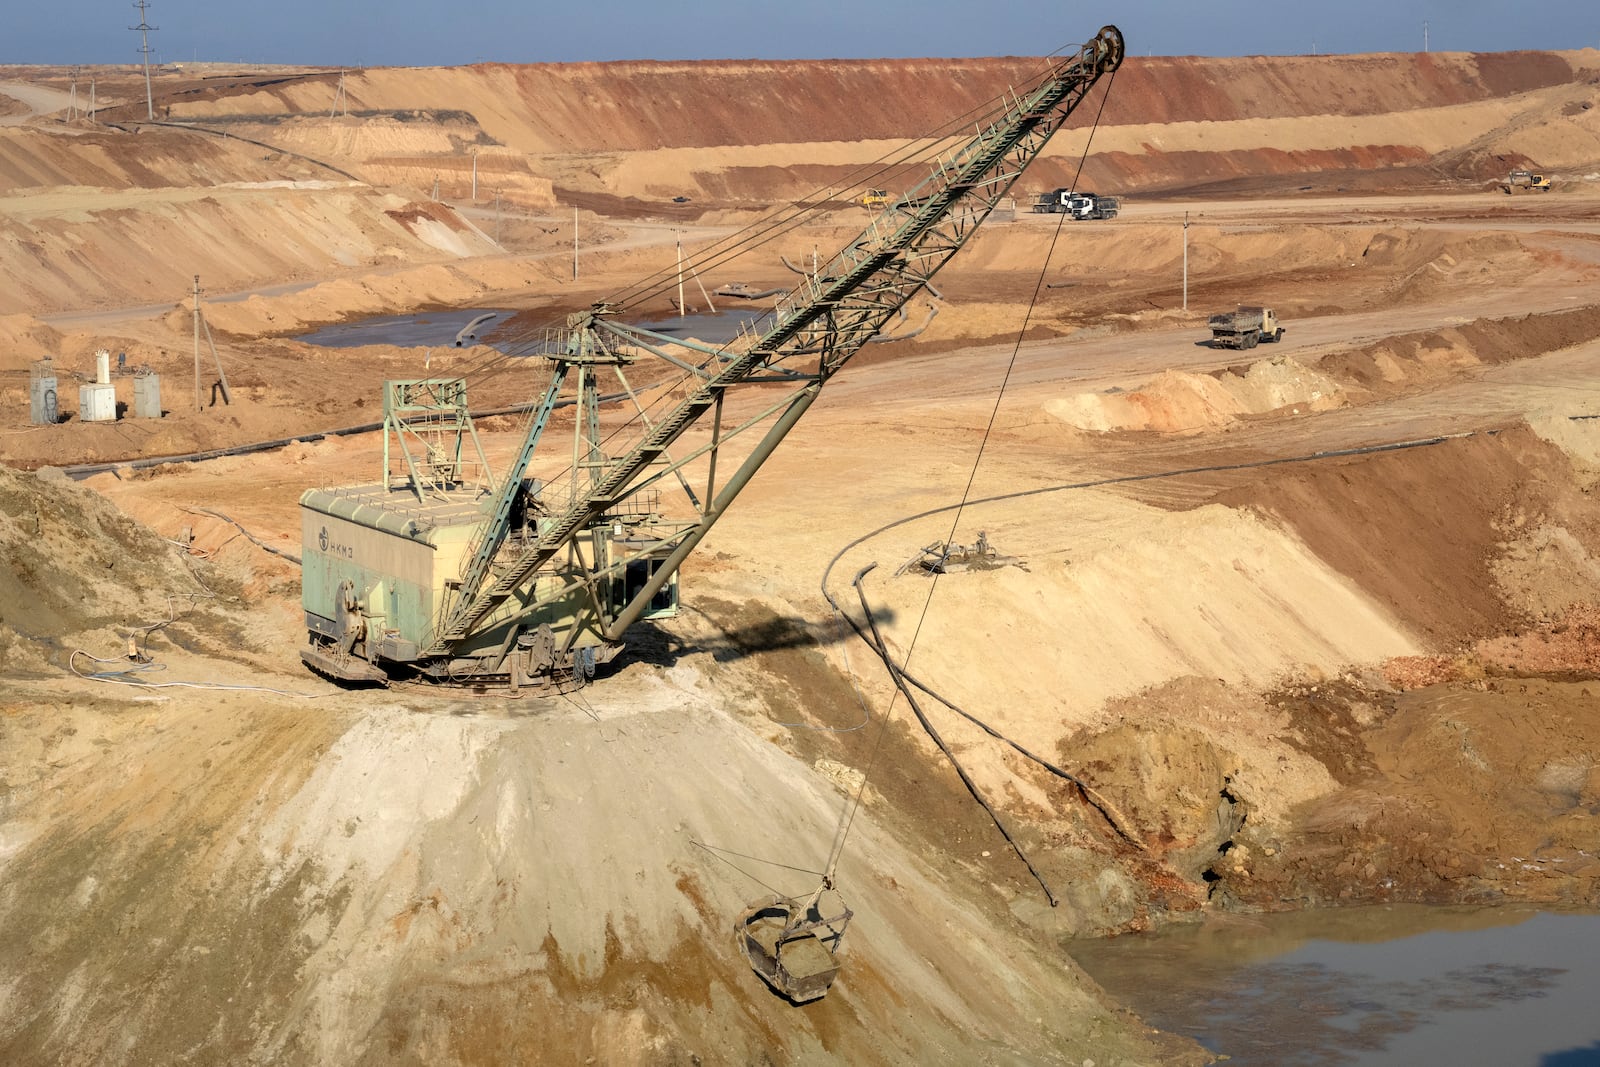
{"x": 877, "y": 643}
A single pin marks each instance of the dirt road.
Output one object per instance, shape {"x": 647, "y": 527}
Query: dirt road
{"x": 37, "y": 99}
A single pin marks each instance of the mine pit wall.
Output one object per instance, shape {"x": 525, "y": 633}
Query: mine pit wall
{"x": 1448, "y": 515}
{"x": 631, "y": 107}
{"x": 1412, "y": 769}
{"x": 632, "y": 136}
{"x": 1170, "y": 122}
{"x": 32, "y": 160}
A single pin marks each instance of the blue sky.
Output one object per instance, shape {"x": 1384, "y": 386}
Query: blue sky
{"x": 413, "y": 33}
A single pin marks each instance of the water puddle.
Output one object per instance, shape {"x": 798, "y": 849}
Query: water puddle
{"x": 1398, "y": 985}
{"x": 438, "y": 329}
{"x": 711, "y": 328}
{"x": 435, "y": 329}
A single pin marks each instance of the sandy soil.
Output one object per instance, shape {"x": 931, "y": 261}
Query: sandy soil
{"x": 1291, "y": 666}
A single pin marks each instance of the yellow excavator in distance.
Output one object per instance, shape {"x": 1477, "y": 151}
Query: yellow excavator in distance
{"x": 1531, "y": 181}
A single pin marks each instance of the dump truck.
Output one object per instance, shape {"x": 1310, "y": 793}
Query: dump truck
{"x": 1092, "y": 206}
{"x": 876, "y": 199}
{"x": 1053, "y": 201}
{"x": 1529, "y": 180}
{"x": 1244, "y": 328}
{"x": 1076, "y": 205}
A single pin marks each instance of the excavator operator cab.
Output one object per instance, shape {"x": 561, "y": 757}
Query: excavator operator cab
{"x": 664, "y": 604}
{"x": 632, "y": 541}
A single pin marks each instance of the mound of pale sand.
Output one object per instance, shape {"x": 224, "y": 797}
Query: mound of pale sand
{"x": 1273, "y": 384}
{"x": 1176, "y": 401}
{"x": 1578, "y": 437}
{"x": 1172, "y": 401}
{"x": 444, "y": 880}
{"x": 1215, "y": 592}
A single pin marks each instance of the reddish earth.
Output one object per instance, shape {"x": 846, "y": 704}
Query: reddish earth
{"x": 1311, "y": 625}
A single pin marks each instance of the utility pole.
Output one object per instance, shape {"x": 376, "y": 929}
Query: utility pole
{"x": 91, "y": 98}
{"x": 574, "y": 242}
{"x": 1424, "y": 36}
{"x": 198, "y": 407}
{"x": 222, "y": 375}
{"x": 145, "y": 30}
{"x": 1186, "y": 261}
{"x": 339, "y": 99}
{"x": 474, "y": 175}
{"x": 72, "y": 105}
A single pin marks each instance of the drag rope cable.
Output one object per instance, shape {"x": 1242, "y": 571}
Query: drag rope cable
{"x": 252, "y": 538}
{"x": 1038, "y": 288}
{"x": 1090, "y": 796}
{"x": 1095, "y": 800}
{"x": 916, "y": 709}
{"x": 1118, "y": 823}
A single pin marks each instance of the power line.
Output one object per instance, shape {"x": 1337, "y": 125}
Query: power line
{"x": 145, "y": 29}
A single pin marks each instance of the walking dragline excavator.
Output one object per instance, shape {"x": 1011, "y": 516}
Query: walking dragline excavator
{"x": 444, "y": 573}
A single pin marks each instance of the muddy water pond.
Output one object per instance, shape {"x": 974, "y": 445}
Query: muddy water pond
{"x": 1398, "y": 985}
{"x": 712, "y": 328}
{"x": 438, "y": 329}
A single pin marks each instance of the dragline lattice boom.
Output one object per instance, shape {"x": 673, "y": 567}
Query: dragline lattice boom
{"x": 544, "y": 577}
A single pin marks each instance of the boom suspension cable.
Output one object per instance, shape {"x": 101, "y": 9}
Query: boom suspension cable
{"x": 896, "y": 671}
